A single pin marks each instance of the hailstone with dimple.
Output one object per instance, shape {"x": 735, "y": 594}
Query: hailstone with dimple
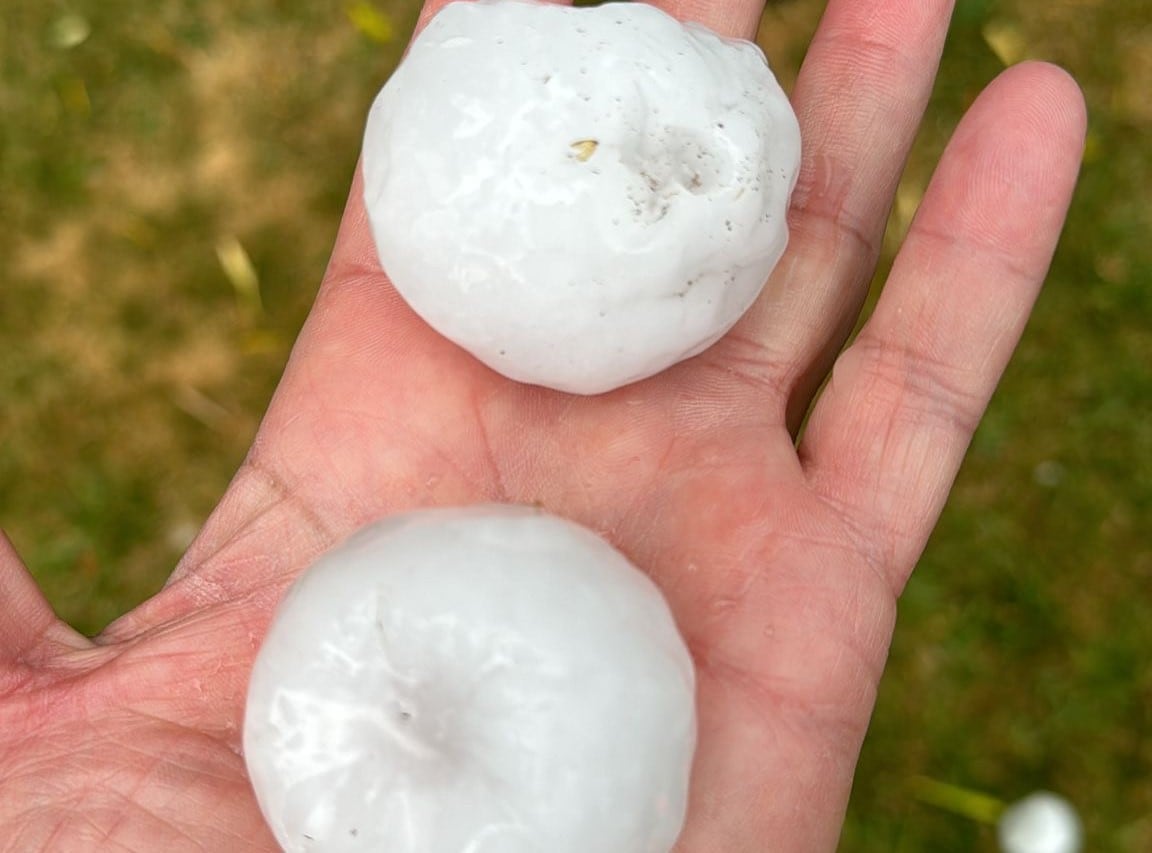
{"x": 487, "y": 679}
{"x": 580, "y": 197}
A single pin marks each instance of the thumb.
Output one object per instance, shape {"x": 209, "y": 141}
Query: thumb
{"x": 30, "y": 631}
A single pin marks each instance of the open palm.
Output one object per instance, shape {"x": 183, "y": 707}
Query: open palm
{"x": 782, "y": 560}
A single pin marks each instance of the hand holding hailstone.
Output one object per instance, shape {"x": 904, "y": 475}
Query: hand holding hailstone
{"x": 537, "y": 694}
{"x": 580, "y": 198}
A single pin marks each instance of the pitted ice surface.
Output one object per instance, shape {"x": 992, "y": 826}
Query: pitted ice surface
{"x": 483, "y": 679}
{"x": 580, "y": 197}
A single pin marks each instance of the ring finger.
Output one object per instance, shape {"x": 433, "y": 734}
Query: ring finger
{"x": 859, "y": 98}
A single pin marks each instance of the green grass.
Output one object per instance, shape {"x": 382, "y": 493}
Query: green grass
{"x": 134, "y": 371}
{"x": 1019, "y": 661}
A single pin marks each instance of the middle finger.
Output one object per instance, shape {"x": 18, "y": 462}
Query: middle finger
{"x": 860, "y": 96}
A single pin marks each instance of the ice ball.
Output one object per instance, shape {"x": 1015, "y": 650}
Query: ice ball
{"x": 580, "y": 197}
{"x": 491, "y": 678}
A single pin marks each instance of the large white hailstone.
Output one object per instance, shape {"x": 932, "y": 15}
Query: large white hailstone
{"x": 491, "y": 679}
{"x": 580, "y": 197}
{"x": 1040, "y": 823}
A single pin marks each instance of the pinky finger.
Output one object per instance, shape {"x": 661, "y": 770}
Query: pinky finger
{"x": 888, "y": 434}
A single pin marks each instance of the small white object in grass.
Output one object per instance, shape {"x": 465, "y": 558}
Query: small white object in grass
{"x": 1040, "y": 823}
{"x": 490, "y": 678}
{"x": 580, "y": 197}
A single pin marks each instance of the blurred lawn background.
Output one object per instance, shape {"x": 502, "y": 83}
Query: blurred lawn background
{"x": 171, "y": 177}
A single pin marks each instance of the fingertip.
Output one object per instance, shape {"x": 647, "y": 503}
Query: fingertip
{"x": 1064, "y": 88}
{"x": 1049, "y": 96}
{"x": 1007, "y": 177}
{"x": 427, "y": 12}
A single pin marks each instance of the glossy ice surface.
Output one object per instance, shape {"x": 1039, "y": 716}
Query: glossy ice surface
{"x": 492, "y": 679}
{"x": 580, "y": 197}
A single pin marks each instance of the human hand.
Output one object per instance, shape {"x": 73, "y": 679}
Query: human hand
{"x": 781, "y": 560}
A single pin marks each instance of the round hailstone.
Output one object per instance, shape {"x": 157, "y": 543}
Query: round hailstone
{"x": 580, "y": 197}
{"x": 482, "y": 679}
{"x": 1040, "y": 823}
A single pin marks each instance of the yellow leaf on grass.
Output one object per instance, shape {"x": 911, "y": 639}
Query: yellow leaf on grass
{"x": 1006, "y": 40}
{"x": 971, "y": 804}
{"x": 372, "y": 21}
{"x": 241, "y": 272}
